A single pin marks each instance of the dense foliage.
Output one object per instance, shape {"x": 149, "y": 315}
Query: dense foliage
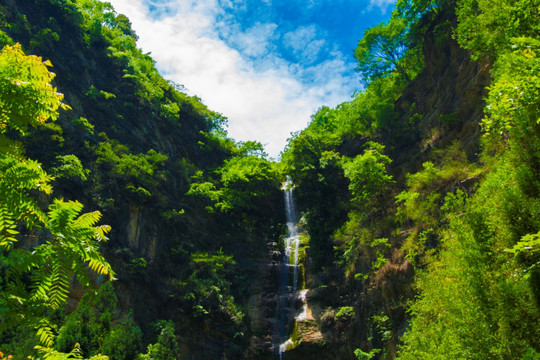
{"x": 137, "y": 148}
{"x": 420, "y": 195}
{"x": 60, "y": 242}
{"x": 462, "y": 218}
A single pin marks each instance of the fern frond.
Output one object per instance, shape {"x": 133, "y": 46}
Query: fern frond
{"x": 62, "y": 214}
{"x": 51, "y": 354}
{"x": 41, "y": 286}
{"x": 8, "y": 228}
{"x": 38, "y": 265}
{"x": 98, "y": 264}
{"x": 19, "y": 177}
{"x": 25, "y": 174}
{"x": 60, "y": 280}
{"x": 87, "y": 220}
{"x": 101, "y": 231}
{"x": 45, "y": 334}
{"x": 79, "y": 234}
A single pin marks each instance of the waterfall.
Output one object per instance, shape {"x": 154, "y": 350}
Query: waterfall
{"x": 287, "y": 292}
{"x": 293, "y": 238}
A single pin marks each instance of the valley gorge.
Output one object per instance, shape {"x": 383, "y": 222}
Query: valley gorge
{"x": 402, "y": 224}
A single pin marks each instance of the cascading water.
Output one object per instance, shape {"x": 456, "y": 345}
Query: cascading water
{"x": 287, "y": 292}
{"x": 293, "y": 238}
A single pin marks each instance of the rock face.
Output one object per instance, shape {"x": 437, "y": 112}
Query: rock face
{"x": 309, "y": 333}
{"x": 263, "y": 308}
{"x": 306, "y": 335}
{"x": 148, "y": 249}
{"x": 156, "y": 226}
{"x": 443, "y": 104}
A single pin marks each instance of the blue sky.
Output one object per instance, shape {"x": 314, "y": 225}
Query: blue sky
{"x": 267, "y": 65}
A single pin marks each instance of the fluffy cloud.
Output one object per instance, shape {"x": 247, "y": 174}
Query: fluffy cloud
{"x": 382, "y": 4}
{"x": 239, "y": 72}
{"x": 256, "y": 41}
{"x": 305, "y": 43}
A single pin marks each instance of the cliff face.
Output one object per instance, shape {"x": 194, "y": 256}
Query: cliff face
{"x": 143, "y": 153}
{"x": 140, "y": 141}
{"x": 442, "y": 106}
{"x": 447, "y": 100}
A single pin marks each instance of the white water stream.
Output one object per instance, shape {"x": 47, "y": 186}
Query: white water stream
{"x": 288, "y": 292}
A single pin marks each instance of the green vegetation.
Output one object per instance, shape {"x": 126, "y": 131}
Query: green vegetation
{"x": 166, "y": 348}
{"x": 133, "y": 146}
{"x": 99, "y": 328}
{"x": 424, "y": 232}
{"x": 367, "y": 175}
{"x": 479, "y": 296}
{"x": 383, "y": 50}
{"x": 462, "y": 218}
{"x": 60, "y": 242}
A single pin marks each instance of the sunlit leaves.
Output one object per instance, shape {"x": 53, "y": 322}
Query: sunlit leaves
{"x": 79, "y": 234}
{"x": 380, "y": 50}
{"x": 488, "y": 26}
{"x": 50, "y": 354}
{"x": 17, "y": 178}
{"x": 245, "y": 169}
{"x": 62, "y": 241}
{"x": 45, "y": 334}
{"x": 527, "y": 251}
{"x": 27, "y": 97}
{"x": 474, "y": 301}
{"x": 242, "y": 180}
{"x": 462, "y": 311}
{"x": 367, "y": 173}
{"x": 8, "y": 228}
{"x": 512, "y": 105}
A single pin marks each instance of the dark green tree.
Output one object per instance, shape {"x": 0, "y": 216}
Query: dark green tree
{"x": 166, "y": 347}
{"x": 66, "y": 241}
{"x": 383, "y": 50}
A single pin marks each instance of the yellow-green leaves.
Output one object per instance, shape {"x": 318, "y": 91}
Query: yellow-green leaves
{"x": 8, "y": 228}
{"x": 79, "y": 235}
{"x": 488, "y": 26}
{"x": 512, "y": 105}
{"x": 242, "y": 180}
{"x": 27, "y": 97}
{"x": 17, "y": 178}
{"x": 367, "y": 173}
{"x": 527, "y": 250}
{"x": 68, "y": 241}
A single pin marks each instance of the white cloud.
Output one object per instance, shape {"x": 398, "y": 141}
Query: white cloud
{"x": 265, "y": 98}
{"x": 305, "y": 43}
{"x": 382, "y": 4}
{"x": 256, "y": 41}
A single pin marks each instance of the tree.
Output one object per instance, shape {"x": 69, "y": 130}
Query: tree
{"x": 382, "y": 50}
{"x": 99, "y": 327}
{"x": 512, "y": 104}
{"x": 166, "y": 348}
{"x": 367, "y": 174}
{"x": 38, "y": 279}
{"x": 488, "y": 26}
{"x": 208, "y": 288}
{"x": 244, "y": 181}
{"x": 27, "y": 97}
